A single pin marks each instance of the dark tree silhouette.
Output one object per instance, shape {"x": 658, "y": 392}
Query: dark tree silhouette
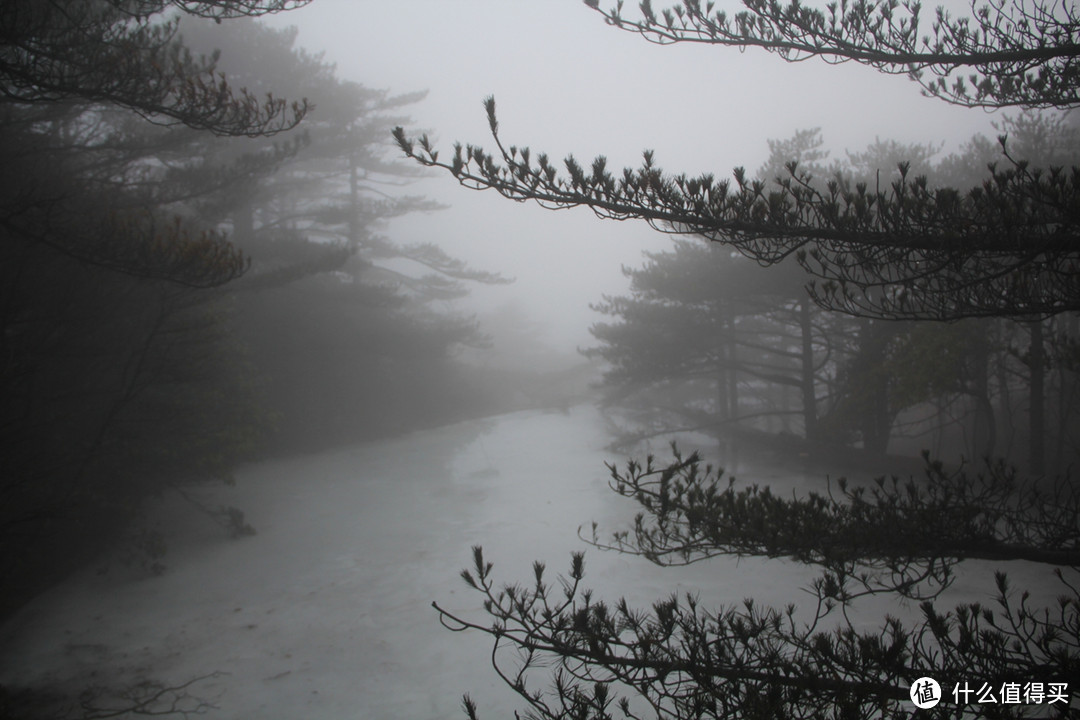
{"x": 679, "y": 659}
{"x": 1006, "y": 53}
{"x": 908, "y": 250}
{"x": 122, "y": 53}
{"x": 115, "y": 373}
{"x": 67, "y": 66}
{"x": 697, "y": 323}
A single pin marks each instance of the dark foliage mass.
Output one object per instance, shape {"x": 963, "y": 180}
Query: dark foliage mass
{"x": 116, "y": 374}
{"x": 191, "y": 273}
{"x": 190, "y": 265}
{"x": 680, "y": 659}
{"x": 895, "y": 530}
{"x": 116, "y": 52}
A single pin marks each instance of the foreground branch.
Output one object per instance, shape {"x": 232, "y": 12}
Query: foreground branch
{"x": 891, "y": 536}
{"x": 683, "y": 661}
{"x": 1006, "y": 248}
{"x": 1006, "y": 53}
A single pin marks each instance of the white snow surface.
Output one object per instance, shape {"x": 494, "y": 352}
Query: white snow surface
{"x": 326, "y": 611}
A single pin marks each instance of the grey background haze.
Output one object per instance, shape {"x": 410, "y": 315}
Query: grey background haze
{"x": 566, "y": 83}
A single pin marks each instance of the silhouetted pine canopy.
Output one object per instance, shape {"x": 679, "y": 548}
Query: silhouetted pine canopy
{"x": 119, "y": 52}
{"x": 903, "y": 249}
{"x": 1005, "y": 54}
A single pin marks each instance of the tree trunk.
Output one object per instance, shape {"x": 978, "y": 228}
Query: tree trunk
{"x": 722, "y": 403}
{"x": 354, "y": 203}
{"x": 732, "y": 378}
{"x": 243, "y": 218}
{"x": 1036, "y": 413}
{"x": 985, "y": 430}
{"x": 877, "y": 425}
{"x": 809, "y": 398}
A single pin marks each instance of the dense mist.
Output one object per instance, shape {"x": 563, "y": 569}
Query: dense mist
{"x": 470, "y": 358}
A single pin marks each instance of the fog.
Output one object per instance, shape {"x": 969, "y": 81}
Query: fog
{"x": 265, "y": 381}
{"x": 565, "y": 84}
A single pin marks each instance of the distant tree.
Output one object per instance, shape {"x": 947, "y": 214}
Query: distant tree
{"x": 698, "y": 323}
{"x": 323, "y": 186}
{"x": 700, "y": 320}
{"x": 345, "y": 323}
{"x": 948, "y": 365}
{"x": 888, "y": 247}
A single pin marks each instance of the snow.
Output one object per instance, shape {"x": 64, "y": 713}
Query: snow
{"x": 326, "y": 611}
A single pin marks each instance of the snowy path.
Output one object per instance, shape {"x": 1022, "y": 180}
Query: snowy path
{"x": 325, "y": 613}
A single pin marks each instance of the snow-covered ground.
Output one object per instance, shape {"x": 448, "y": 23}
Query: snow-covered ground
{"x": 326, "y": 611}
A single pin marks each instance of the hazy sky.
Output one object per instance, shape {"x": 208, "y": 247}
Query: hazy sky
{"x": 567, "y": 83}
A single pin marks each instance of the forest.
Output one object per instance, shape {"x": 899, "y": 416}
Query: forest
{"x": 708, "y": 339}
{"x": 199, "y": 272}
{"x": 194, "y": 274}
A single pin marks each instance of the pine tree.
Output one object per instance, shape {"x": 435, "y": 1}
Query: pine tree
{"x": 899, "y": 248}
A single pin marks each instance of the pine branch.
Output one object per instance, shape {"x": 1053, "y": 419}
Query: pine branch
{"x": 910, "y": 250}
